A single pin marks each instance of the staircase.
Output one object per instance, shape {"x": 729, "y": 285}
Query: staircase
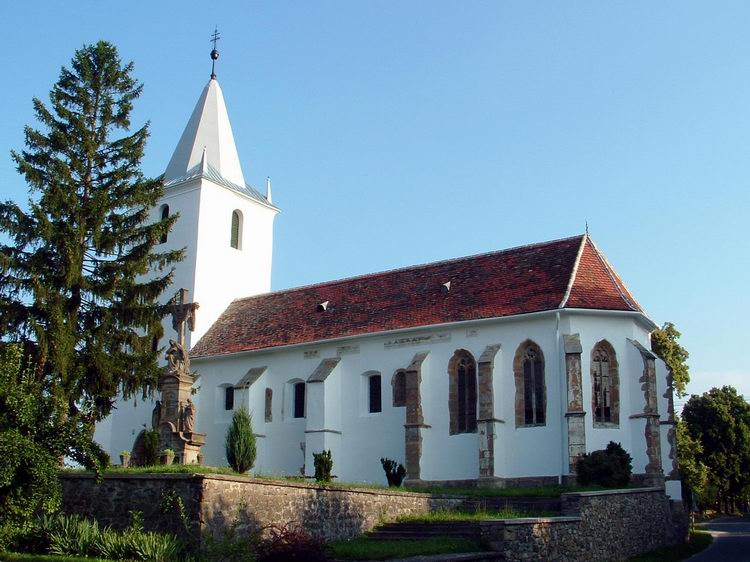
{"x": 418, "y": 531}
{"x": 523, "y": 504}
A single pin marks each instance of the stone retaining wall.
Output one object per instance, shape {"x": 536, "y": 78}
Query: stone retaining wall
{"x": 602, "y": 526}
{"x": 213, "y": 503}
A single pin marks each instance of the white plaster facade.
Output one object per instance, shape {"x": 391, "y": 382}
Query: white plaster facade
{"x": 202, "y": 185}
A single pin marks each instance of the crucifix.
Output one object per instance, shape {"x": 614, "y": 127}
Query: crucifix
{"x": 182, "y": 312}
{"x": 214, "y": 53}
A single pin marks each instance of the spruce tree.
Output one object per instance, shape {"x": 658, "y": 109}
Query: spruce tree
{"x": 72, "y": 285}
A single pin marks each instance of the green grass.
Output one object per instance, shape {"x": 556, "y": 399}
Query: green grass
{"x": 444, "y": 515}
{"x": 552, "y": 491}
{"x": 699, "y": 540}
{"x": 13, "y": 557}
{"x": 161, "y": 469}
{"x": 366, "y": 549}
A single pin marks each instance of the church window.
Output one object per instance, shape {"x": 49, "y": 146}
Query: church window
{"x": 398, "y": 384}
{"x": 229, "y": 398}
{"x": 604, "y": 381}
{"x": 531, "y": 392}
{"x": 299, "y": 400}
{"x": 236, "y": 234}
{"x": 462, "y": 393}
{"x": 164, "y": 215}
{"x": 268, "y": 405}
{"x": 375, "y": 394}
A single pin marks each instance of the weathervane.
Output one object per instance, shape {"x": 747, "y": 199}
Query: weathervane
{"x": 214, "y": 53}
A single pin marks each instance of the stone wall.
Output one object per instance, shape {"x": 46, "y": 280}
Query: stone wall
{"x": 602, "y": 526}
{"x": 212, "y": 503}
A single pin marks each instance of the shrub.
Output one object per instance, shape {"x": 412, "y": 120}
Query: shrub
{"x": 323, "y": 466}
{"x": 240, "y": 443}
{"x": 394, "y": 472}
{"x": 150, "y": 447}
{"x": 610, "y": 467}
{"x": 289, "y": 543}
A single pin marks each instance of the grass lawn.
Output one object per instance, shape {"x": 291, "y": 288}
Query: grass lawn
{"x": 161, "y": 469}
{"x": 364, "y": 549}
{"x": 12, "y": 557}
{"x": 443, "y": 516}
{"x": 699, "y": 540}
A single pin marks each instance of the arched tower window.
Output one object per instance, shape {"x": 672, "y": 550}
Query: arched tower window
{"x": 236, "y": 234}
{"x": 462, "y": 393}
{"x": 531, "y": 391}
{"x": 164, "y": 215}
{"x": 605, "y": 399}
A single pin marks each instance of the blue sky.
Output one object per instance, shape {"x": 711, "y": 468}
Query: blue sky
{"x": 398, "y": 133}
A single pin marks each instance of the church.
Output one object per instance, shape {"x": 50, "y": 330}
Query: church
{"x": 494, "y": 369}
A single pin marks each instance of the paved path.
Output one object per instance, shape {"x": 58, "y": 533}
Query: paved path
{"x": 731, "y": 541}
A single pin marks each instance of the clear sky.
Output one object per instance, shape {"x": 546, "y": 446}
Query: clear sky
{"x": 399, "y": 133}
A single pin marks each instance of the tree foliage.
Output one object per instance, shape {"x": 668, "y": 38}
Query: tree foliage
{"x": 693, "y": 472}
{"x": 71, "y": 278}
{"x": 719, "y": 421}
{"x": 240, "y": 442}
{"x": 610, "y": 467}
{"x": 73, "y": 300}
{"x": 664, "y": 344}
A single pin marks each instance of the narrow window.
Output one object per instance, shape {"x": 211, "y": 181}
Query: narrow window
{"x": 462, "y": 393}
{"x": 236, "y": 236}
{"x": 229, "y": 398}
{"x": 299, "y": 400}
{"x": 269, "y": 404}
{"x": 164, "y": 215}
{"x": 604, "y": 381}
{"x": 376, "y": 403}
{"x": 531, "y": 393}
{"x": 399, "y": 389}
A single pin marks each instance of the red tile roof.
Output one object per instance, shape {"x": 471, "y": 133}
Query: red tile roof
{"x": 563, "y": 273}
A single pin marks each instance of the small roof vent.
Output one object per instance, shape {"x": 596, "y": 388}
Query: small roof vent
{"x": 446, "y": 287}
{"x": 322, "y": 307}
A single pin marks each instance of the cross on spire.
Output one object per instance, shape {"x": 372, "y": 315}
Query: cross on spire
{"x": 214, "y": 53}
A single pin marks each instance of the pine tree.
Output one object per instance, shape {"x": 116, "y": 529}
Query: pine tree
{"x": 240, "y": 442}
{"x": 72, "y": 288}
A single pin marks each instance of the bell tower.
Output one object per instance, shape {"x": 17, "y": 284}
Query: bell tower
{"x": 225, "y": 225}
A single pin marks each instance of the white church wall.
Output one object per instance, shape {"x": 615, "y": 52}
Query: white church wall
{"x": 224, "y": 273}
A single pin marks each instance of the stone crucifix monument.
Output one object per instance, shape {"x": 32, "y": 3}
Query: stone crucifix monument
{"x": 174, "y": 414}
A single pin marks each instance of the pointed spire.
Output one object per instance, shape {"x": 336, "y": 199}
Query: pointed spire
{"x": 269, "y": 197}
{"x": 207, "y": 140}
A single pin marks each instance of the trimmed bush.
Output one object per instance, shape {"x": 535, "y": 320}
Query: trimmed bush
{"x": 240, "y": 442}
{"x": 394, "y": 472}
{"x": 323, "y": 466}
{"x": 610, "y": 467}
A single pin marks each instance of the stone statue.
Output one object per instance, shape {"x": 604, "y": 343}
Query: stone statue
{"x": 188, "y": 417}
{"x": 156, "y": 415}
{"x": 177, "y": 358}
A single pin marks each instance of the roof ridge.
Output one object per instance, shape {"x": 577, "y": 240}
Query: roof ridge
{"x": 624, "y": 293}
{"x": 407, "y": 268}
{"x": 574, "y": 273}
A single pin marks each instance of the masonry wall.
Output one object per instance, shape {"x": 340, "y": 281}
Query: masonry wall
{"x": 213, "y": 503}
{"x": 611, "y": 525}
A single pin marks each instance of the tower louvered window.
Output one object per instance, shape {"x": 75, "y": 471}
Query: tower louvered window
{"x": 236, "y": 235}
{"x": 164, "y": 215}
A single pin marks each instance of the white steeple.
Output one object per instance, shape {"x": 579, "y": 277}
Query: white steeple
{"x": 208, "y": 132}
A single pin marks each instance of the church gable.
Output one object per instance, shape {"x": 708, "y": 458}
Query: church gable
{"x": 510, "y": 282}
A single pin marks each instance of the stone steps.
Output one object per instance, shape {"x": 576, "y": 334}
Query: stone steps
{"x": 416, "y": 531}
{"x": 525, "y": 504}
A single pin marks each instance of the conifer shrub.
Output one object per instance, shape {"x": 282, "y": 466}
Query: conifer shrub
{"x": 151, "y": 447}
{"x": 394, "y": 472}
{"x": 323, "y": 466}
{"x": 240, "y": 442}
{"x": 610, "y": 467}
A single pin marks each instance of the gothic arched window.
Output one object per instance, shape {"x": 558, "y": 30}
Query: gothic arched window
{"x": 299, "y": 400}
{"x": 236, "y": 234}
{"x": 605, "y": 400}
{"x": 398, "y": 384}
{"x": 462, "y": 393}
{"x": 374, "y": 394}
{"x": 164, "y": 215}
{"x": 531, "y": 391}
